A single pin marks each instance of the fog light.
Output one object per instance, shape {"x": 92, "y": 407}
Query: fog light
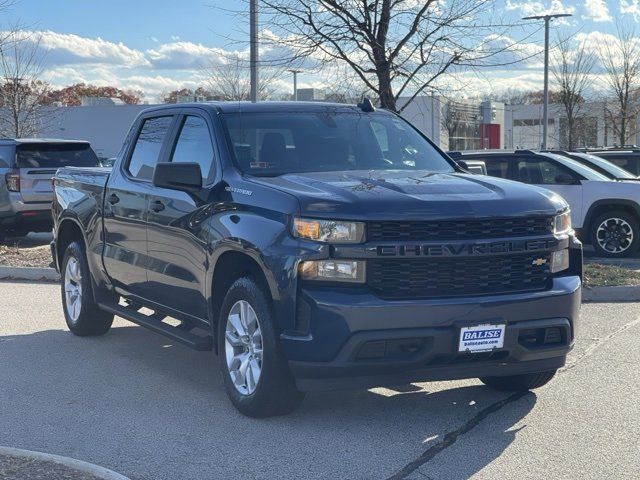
{"x": 559, "y": 260}
{"x": 333, "y": 270}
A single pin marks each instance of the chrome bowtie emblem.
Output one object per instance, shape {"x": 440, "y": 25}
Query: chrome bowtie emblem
{"x": 538, "y": 262}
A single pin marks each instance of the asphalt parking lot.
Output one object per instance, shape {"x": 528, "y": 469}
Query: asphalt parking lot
{"x": 134, "y": 402}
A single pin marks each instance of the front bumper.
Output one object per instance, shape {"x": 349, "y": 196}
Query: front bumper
{"x": 356, "y": 340}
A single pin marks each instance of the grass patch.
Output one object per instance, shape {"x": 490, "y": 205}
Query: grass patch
{"x": 598, "y": 275}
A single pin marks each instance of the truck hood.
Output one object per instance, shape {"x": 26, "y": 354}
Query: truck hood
{"x": 417, "y": 195}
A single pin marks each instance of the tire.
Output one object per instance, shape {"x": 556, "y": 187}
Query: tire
{"x": 519, "y": 383}
{"x": 82, "y": 314}
{"x": 615, "y": 234}
{"x": 247, "y": 337}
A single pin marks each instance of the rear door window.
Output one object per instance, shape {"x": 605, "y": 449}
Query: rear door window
{"x": 51, "y": 155}
{"x": 148, "y": 146}
{"x": 535, "y": 171}
{"x": 497, "y": 166}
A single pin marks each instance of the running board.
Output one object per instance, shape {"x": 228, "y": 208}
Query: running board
{"x": 154, "y": 322}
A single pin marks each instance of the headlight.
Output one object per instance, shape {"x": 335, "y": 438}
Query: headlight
{"x": 562, "y": 223}
{"x": 333, "y": 231}
{"x": 333, "y": 270}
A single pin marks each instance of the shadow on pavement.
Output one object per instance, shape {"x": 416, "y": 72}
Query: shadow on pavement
{"x": 135, "y": 402}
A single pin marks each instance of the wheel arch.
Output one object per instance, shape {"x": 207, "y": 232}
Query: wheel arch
{"x": 69, "y": 229}
{"x": 231, "y": 265}
{"x": 603, "y": 205}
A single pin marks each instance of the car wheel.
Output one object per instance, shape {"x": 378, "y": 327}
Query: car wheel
{"x": 615, "y": 234}
{"x": 82, "y": 314}
{"x": 519, "y": 383}
{"x": 255, "y": 373}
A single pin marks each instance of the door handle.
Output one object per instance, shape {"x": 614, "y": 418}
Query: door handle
{"x": 157, "y": 206}
{"x": 113, "y": 199}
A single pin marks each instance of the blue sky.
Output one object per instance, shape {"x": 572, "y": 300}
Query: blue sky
{"x": 156, "y": 46}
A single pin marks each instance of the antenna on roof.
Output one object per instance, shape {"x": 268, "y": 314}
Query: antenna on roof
{"x": 366, "y": 106}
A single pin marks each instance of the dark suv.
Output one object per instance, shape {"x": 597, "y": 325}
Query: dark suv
{"x": 317, "y": 246}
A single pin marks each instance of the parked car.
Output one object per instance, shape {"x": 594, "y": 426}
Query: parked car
{"x": 605, "y": 212}
{"x": 628, "y": 159}
{"x": 26, "y": 169}
{"x": 106, "y": 162}
{"x": 476, "y": 167}
{"x": 317, "y": 246}
{"x": 599, "y": 164}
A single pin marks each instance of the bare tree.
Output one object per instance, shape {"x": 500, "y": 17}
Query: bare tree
{"x": 621, "y": 62}
{"x": 571, "y": 72}
{"x": 22, "y": 93}
{"x": 344, "y": 87}
{"x": 230, "y": 81}
{"x": 450, "y": 119}
{"x": 395, "y": 47}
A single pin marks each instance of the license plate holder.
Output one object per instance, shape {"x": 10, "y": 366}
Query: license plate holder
{"x": 484, "y": 337}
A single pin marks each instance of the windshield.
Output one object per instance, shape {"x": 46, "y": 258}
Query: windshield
{"x": 604, "y": 166}
{"x": 51, "y": 155}
{"x": 278, "y": 143}
{"x": 586, "y": 172}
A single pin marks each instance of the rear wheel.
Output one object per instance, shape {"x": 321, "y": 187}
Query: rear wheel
{"x": 519, "y": 383}
{"x": 255, "y": 373}
{"x": 82, "y": 314}
{"x": 615, "y": 234}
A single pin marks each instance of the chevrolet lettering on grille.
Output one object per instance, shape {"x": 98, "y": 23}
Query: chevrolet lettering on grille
{"x": 465, "y": 249}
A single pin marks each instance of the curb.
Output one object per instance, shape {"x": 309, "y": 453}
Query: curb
{"x": 623, "y": 293}
{"x": 29, "y": 273}
{"x": 71, "y": 463}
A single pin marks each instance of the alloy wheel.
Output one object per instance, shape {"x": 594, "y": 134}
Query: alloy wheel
{"x": 73, "y": 288}
{"x": 243, "y": 347}
{"x": 614, "y": 235}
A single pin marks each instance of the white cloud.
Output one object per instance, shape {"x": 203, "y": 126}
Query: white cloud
{"x": 185, "y": 55}
{"x": 65, "y": 49}
{"x": 535, "y": 7}
{"x": 597, "y": 11}
{"x": 631, "y": 7}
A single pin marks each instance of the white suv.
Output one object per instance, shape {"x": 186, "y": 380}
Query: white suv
{"x": 605, "y": 212}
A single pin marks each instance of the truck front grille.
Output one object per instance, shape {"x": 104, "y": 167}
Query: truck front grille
{"x": 458, "y": 277}
{"x": 459, "y": 229}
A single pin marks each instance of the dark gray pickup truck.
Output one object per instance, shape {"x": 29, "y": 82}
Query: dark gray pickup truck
{"x": 317, "y": 246}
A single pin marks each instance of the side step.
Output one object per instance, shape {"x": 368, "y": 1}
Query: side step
{"x": 154, "y": 322}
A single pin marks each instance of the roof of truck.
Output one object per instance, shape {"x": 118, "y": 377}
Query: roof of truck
{"x": 271, "y": 107}
{"x": 22, "y": 141}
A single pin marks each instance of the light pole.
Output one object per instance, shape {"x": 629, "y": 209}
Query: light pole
{"x": 545, "y": 108}
{"x": 253, "y": 48}
{"x": 295, "y": 83}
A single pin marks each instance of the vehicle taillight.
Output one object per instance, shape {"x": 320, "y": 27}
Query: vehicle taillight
{"x": 12, "y": 178}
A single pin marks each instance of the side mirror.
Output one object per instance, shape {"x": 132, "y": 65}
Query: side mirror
{"x": 565, "y": 179}
{"x": 462, "y": 164}
{"x": 185, "y": 177}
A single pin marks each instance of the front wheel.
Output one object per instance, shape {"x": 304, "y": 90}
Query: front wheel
{"x": 615, "y": 234}
{"x": 81, "y": 312}
{"x": 519, "y": 383}
{"x": 255, "y": 373}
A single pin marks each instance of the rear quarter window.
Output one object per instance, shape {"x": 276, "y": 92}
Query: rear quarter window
{"x": 6, "y": 159}
{"x": 55, "y": 156}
